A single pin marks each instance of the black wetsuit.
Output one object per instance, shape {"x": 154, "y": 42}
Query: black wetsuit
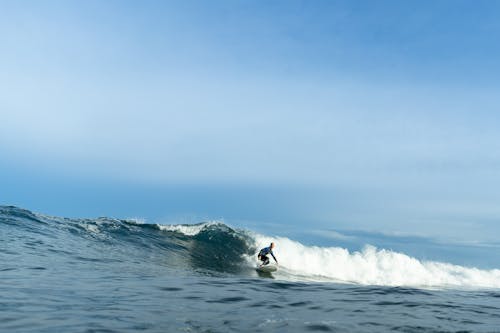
{"x": 263, "y": 255}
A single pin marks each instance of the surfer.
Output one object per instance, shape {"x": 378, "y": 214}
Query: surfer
{"x": 263, "y": 255}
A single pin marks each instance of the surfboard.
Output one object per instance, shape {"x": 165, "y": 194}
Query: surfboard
{"x": 267, "y": 268}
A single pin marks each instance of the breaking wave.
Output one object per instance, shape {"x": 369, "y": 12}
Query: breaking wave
{"x": 215, "y": 248}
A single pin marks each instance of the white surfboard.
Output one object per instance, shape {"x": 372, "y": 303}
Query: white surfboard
{"x": 267, "y": 268}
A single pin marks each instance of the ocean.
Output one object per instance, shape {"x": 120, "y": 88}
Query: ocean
{"x": 110, "y": 275}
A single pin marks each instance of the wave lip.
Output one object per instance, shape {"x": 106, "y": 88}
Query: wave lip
{"x": 190, "y": 229}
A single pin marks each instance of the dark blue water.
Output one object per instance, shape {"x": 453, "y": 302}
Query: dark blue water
{"x": 107, "y": 275}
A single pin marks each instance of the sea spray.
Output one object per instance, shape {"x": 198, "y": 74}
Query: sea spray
{"x": 372, "y": 266}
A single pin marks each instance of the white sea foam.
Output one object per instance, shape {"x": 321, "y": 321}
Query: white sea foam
{"x": 373, "y": 266}
{"x": 91, "y": 228}
{"x": 187, "y": 229}
{"x": 136, "y": 220}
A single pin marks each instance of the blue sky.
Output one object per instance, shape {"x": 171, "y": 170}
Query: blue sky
{"x": 366, "y": 115}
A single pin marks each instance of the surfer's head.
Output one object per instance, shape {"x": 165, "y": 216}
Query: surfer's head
{"x": 272, "y": 245}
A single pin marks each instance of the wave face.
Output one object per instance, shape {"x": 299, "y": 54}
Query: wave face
{"x": 215, "y": 248}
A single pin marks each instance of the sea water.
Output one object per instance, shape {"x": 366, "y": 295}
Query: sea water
{"x": 109, "y": 275}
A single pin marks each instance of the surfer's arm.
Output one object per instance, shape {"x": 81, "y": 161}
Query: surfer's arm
{"x": 274, "y": 256}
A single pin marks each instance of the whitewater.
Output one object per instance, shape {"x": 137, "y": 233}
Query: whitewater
{"x": 115, "y": 275}
{"x": 371, "y": 266}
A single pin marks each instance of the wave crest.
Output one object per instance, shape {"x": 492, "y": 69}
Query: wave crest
{"x": 216, "y": 247}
